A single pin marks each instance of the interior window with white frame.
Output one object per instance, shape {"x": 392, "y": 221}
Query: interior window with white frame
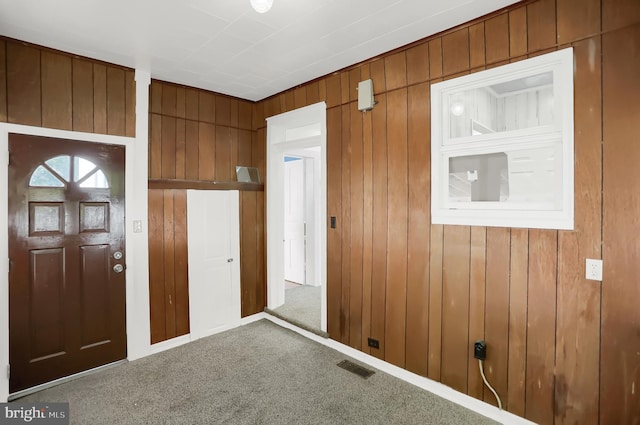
{"x": 502, "y": 145}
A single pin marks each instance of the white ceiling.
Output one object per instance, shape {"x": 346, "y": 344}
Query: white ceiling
{"x": 227, "y": 47}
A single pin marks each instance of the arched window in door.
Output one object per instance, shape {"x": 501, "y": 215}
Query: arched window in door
{"x": 61, "y": 170}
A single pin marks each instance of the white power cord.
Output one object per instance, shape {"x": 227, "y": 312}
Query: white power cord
{"x": 484, "y": 378}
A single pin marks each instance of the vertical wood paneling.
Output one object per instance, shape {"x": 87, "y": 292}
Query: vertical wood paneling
{"x": 99, "y": 98}
{"x": 300, "y": 97}
{"x": 223, "y": 110}
{"x": 234, "y": 111}
{"x": 541, "y": 321}
{"x": 435, "y": 58}
{"x": 181, "y": 102}
{"x": 156, "y": 274}
{"x": 345, "y": 310}
{"x": 455, "y": 306}
{"x": 23, "y": 84}
{"x": 497, "y": 311}
{"x": 245, "y": 115}
{"x": 518, "y": 32}
{"x": 223, "y": 154}
{"x": 620, "y": 363}
{"x": 155, "y": 147}
{"x": 3, "y": 81}
{"x": 180, "y": 154}
{"x": 376, "y": 73}
{"x": 333, "y": 91}
{"x": 577, "y": 19}
{"x": 130, "y": 103}
{"x": 206, "y": 151}
{"x": 82, "y": 95}
{"x": 578, "y": 325}
{"x": 368, "y": 230}
{"x": 181, "y": 256}
{"x": 56, "y": 91}
{"x": 168, "y": 262}
{"x": 261, "y": 254}
{"x": 418, "y": 230}
{"x": 476, "y": 45}
{"x": 617, "y": 14}
{"x": 334, "y": 236}
{"x": 380, "y": 202}
{"x": 168, "y": 147}
{"x": 248, "y": 252}
{"x": 192, "y": 104}
{"x": 155, "y": 97}
{"x": 496, "y": 32}
{"x": 395, "y": 70}
{"x": 354, "y": 79}
{"x": 455, "y": 52}
{"x": 169, "y": 100}
{"x": 418, "y": 64}
{"x": 357, "y": 199}
{"x": 435, "y": 302}
{"x": 478, "y": 254}
{"x": 396, "y": 300}
{"x": 115, "y": 101}
{"x": 515, "y": 399}
{"x": 192, "y": 150}
{"x": 206, "y": 107}
{"x": 541, "y": 24}
{"x": 313, "y": 93}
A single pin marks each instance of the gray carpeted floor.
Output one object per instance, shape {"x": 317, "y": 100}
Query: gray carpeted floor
{"x": 301, "y": 306}
{"x": 256, "y": 374}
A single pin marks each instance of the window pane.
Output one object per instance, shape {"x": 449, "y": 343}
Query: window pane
{"x": 511, "y": 105}
{"x": 42, "y": 177}
{"x": 61, "y": 165}
{"x": 527, "y": 177}
{"x": 81, "y": 167}
{"x": 96, "y": 180}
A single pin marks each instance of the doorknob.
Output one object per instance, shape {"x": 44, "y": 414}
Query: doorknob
{"x": 229, "y": 260}
{"x": 118, "y": 268}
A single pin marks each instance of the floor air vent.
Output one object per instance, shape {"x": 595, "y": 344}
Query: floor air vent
{"x": 357, "y": 369}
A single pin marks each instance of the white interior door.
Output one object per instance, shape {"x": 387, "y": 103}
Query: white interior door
{"x": 213, "y": 227}
{"x": 294, "y": 225}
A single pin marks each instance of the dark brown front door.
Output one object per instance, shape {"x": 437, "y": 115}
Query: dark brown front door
{"x": 66, "y": 240}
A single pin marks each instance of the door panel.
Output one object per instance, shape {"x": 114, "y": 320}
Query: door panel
{"x": 66, "y": 219}
{"x": 294, "y": 232}
{"x": 214, "y": 255}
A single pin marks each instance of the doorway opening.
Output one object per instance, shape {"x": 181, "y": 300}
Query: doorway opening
{"x": 296, "y": 216}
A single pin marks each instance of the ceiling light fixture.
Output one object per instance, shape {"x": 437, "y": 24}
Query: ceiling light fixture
{"x": 261, "y": 6}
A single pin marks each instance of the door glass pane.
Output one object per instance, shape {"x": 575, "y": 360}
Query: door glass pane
{"x": 61, "y": 165}
{"x": 42, "y": 177}
{"x": 96, "y": 180}
{"x": 81, "y": 167}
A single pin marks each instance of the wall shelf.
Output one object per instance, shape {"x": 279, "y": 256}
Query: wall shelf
{"x": 204, "y": 185}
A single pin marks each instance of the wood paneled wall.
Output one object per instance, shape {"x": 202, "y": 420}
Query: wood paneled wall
{"x": 561, "y": 349}
{"x": 45, "y": 88}
{"x": 198, "y": 135}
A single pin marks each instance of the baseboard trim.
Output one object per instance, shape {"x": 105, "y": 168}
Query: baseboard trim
{"x": 27, "y": 391}
{"x": 427, "y": 384}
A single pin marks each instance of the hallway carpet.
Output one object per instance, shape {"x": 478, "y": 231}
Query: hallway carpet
{"x": 301, "y": 307}
{"x": 255, "y": 374}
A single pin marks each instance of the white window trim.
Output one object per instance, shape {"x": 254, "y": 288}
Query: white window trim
{"x": 504, "y": 215}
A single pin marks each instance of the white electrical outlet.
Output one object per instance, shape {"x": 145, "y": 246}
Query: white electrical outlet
{"x": 594, "y": 269}
{"x": 137, "y": 226}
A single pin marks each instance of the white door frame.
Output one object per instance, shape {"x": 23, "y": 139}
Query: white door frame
{"x": 302, "y": 128}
